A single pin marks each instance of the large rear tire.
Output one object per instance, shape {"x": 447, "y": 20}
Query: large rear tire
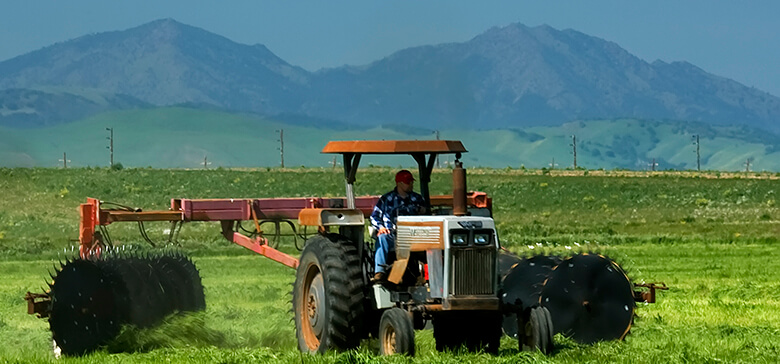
{"x": 396, "y": 334}
{"x": 328, "y": 296}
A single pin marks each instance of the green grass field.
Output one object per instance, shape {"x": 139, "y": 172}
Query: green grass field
{"x": 714, "y": 241}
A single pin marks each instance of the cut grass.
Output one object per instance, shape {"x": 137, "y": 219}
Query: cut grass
{"x": 723, "y": 305}
{"x": 718, "y": 257}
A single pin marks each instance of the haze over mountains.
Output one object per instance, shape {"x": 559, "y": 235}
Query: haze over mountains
{"x": 512, "y": 76}
{"x": 527, "y": 89}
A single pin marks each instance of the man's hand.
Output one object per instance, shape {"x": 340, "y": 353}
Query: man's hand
{"x": 383, "y": 230}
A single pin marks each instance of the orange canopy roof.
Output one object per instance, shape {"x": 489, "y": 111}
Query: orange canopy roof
{"x": 394, "y": 146}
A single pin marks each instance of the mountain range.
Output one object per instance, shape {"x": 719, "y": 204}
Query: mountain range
{"x": 513, "y": 76}
{"x": 176, "y": 94}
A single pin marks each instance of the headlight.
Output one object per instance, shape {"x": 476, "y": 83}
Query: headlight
{"x": 482, "y": 239}
{"x": 460, "y": 239}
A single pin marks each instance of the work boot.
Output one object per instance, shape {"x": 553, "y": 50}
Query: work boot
{"x": 378, "y": 277}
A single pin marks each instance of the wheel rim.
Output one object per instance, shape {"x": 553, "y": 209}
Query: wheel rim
{"x": 312, "y": 307}
{"x": 388, "y": 340}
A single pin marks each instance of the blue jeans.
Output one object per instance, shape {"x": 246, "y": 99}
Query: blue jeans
{"x": 385, "y": 243}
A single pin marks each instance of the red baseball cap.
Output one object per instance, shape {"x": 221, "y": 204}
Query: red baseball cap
{"x": 404, "y": 176}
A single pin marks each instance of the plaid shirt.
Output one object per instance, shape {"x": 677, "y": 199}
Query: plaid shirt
{"x": 391, "y": 205}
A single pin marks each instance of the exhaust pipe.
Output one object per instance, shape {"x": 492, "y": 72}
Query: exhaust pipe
{"x": 459, "y": 189}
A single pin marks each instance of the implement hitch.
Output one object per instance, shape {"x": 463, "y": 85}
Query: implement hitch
{"x": 649, "y": 294}
{"x": 38, "y": 304}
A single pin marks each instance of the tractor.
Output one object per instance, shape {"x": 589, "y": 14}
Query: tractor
{"x": 445, "y": 270}
{"x": 449, "y": 271}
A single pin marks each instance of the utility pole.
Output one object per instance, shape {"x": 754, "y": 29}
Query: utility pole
{"x": 281, "y": 146}
{"x": 652, "y": 165}
{"x": 64, "y": 160}
{"x": 574, "y": 149}
{"x": 552, "y": 165}
{"x": 206, "y": 162}
{"x": 698, "y": 154}
{"x": 437, "y": 156}
{"x": 110, "y": 146}
{"x": 334, "y": 162}
{"x": 747, "y": 165}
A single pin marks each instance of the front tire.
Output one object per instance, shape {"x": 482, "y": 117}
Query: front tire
{"x": 396, "y": 334}
{"x": 328, "y": 296}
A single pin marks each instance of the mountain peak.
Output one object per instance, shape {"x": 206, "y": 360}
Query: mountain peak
{"x": 165, "y": 22}
{"x": 159, "y": 23}
{"x": 168, "y": 29}
{"x": 508, "y": 31}
{"x": 517, "y": 75}
{"x": 510, "y": 76}
{"x": 162, "y": 62}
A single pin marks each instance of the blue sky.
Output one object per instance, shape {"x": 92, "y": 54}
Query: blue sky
{"x": 738, "y": 40}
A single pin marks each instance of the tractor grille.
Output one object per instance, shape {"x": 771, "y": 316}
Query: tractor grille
{"x": 473, "y": 271}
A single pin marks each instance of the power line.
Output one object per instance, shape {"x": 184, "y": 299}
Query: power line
{"x": 64, "y": 160}
{"x": 110, "y": 146}
{"x": 553, "y": 164}
{"x": 281, "y": 146}
{"x": 698, "y": 154}
{"x": 574, "y": 149}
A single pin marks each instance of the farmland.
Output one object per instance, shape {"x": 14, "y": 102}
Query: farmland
{"x": 713, "y": 240}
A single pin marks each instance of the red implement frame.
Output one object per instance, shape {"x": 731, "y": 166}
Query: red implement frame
{"x": 230, "y": 211}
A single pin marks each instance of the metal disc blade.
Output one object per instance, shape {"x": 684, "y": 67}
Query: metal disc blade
{"x": 506, "y": 261}
{"x": 84, "y": 314}
{"x": 92, "y": 298}
{"x": 590, "y": 299}
{"x": 522, "y": 286}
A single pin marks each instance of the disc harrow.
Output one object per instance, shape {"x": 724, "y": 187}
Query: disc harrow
{"x": 589, "y": 296}
{"x": 91, "y": 299}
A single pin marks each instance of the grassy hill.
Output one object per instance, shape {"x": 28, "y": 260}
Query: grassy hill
{"x": 177, "y": 137}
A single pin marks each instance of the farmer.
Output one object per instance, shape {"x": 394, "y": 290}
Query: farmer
{"x": 400, "y": 201}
